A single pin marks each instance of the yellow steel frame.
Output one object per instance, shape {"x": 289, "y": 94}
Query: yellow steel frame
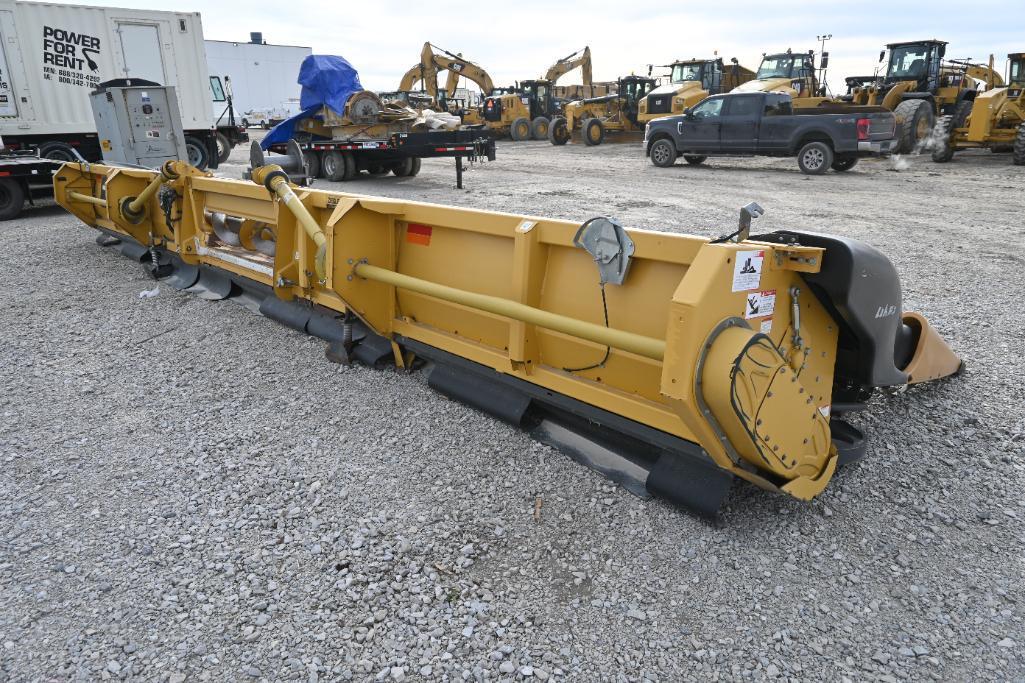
{"x": 514, "y": 294}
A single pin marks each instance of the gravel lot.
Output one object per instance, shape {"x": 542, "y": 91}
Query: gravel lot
{"x": 189, "y": 491}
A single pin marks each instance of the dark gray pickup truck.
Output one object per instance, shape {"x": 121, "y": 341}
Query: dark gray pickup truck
{"x": 767, "y": 124}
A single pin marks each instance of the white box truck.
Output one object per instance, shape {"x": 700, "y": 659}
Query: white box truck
{"x": 263, "y": 79}
{"x": 52, "y": 56}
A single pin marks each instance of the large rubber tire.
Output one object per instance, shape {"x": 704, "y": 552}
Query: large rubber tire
{"x": 350, "y": 166}
{"x": 1018, "y": 155}
{"x": 558, "y": 131}
{"x": 245, "y": 123}
{"x": 313, "y": 165}
{"x": 223, "y": 147}
{"x": 695, "y": 159}
{"x": 404, "y": 168}
{"x": 539, "y": 128}
{"x": 815, "y": 158}
{"x": 414, "y": 169}
{"x": 918, "y": 121}
{"x": 844, "y": 163}
{"x": 334, "y": 166}
{"x": 593, "y": 132}
{"x": 520, "y": 129}
{"x": 12, "y": 198}
{"x": 199, "y": 155}
{"x": 662, "y": 153}
{"x": 58, "y": 151}
{"x": 943, "y": 136}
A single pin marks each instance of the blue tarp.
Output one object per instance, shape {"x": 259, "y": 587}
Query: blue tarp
{"x": 325, "y": 79}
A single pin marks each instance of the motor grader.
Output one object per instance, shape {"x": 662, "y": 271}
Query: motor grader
{"x": 526, "y": 111}
{"x": 995, "y": 121}
{"x": 691, "y": 81}
{"x": 596, "y": 116}
{"x": 919, "y": 86}
{"x": 673, "y": 364}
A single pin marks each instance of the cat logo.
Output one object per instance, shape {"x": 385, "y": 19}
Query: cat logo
{"x": 886, "y": 311}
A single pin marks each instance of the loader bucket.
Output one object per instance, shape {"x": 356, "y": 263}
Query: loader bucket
{"x": 672, "y": 364}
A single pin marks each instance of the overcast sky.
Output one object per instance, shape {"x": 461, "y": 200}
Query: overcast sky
{"x": 520, "y": 39}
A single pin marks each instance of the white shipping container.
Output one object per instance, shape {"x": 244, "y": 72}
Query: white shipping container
{"x": 53, "y": 56}
{"x": 264, "y": 78}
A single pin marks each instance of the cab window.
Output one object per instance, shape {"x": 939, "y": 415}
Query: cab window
{"x": 216, "y": 88}
{"x": 778, "y": 106}
{"x": 710, "y": 108}
{"x": 743, "y": 105}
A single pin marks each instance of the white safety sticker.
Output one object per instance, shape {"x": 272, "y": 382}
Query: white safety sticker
{"x": 760, "y": 304}
{"x": 824, "y": 410}
{"x": 747, "y": 271}
{"x": 766, "y": 326}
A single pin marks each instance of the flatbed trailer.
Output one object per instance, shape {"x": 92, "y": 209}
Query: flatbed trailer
{"x": 399, "y": 153}
{"x": 24, "y": 176}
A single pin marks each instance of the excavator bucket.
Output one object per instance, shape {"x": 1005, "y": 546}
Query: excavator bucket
{"x": 672, "y": 364}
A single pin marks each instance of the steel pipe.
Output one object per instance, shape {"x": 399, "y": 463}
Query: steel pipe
{"x": 599, "y": 334}
{"x": 276, "y": 180}
{"x": 87, "y": 198}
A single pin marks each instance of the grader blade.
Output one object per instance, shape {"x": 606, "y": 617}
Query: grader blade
{"x": 672, "y": 364}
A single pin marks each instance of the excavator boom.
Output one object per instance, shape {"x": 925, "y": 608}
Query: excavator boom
{"x": 580, "y": 58}
{"x": 673, "y": 364}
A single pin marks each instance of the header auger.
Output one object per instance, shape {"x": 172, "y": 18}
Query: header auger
{"x": 671, "y": 363}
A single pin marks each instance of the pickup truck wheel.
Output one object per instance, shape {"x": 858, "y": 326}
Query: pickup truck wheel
{"x": 12, "y": 198}
{"x": 918, "y": 119}
{"x": 558, "y": 131}
{"x": 539, "y": 128}
{"x": 520, "y": 129}
{"x": 943, "y": 151}
{"x": 223, "y": 147}
{"x": 694, "y": 159}
{"x": 815, "y": 158}
{"x": 593, "y": 131}
{"x": 1018, "y": 155}
{"x": 662, "y": 153}
{"x": 841, "y": 164}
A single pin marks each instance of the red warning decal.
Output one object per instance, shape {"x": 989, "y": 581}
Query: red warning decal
{"x": 418, "y": 233}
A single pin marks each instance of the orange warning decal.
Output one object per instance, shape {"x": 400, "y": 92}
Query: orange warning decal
{"x": 419, "y": 234}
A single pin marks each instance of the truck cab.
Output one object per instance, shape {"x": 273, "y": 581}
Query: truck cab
{"x": 788, "y": 72}
{"x": 691, "y": 81}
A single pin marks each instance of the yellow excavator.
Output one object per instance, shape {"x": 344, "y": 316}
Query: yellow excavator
{"x": 674, "y": 364}
{"x": 691, "y": 81}
{"x": 995, "y": 119}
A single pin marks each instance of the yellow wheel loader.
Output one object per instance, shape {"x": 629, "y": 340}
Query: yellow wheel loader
{"x": 690, "y": 82}
{"x": 594, "y": 117}
{"x": 995, "y": 119}
{"x": 673, "y": 364}
{"x": 919, "y": 86}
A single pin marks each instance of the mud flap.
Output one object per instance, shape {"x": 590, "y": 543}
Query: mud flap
{"x": 211, "y": 285}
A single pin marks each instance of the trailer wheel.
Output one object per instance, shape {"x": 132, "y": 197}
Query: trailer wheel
{"x": 558, "y": 131}
{"x": 695, "y": 159}
{"x": 663, "y": 153}
{"x": 335, "y": 166}
{"x": 377, "y": 169}
{"x": 520, "y": 129}
{"x": 844, "y": 163}
{"x": 223, "y": 147}
{"x": 593, "y": 131}
{"x": 1018, "y": 155}
{"x": 199, "y": 157}
{"x": 414, "y": 167}
{"x": 312, "y": 160}
{"x": 539, "y": 128}
{"x": 12, "y": 198}
{"x": 815, "y": 158}
{"x": 944, "y": 149}
{"x": 404, "y": 168}
{"x": 918, "y": 119}
{"x": 58, "y": 151}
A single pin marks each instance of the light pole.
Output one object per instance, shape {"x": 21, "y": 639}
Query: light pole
{"x": 823, "y": 58}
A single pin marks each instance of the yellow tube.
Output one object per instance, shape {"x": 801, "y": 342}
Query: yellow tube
{"x": 87, "y": 198}
{"x": 278, "y": 184}
{"x": 617, "y": 339}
